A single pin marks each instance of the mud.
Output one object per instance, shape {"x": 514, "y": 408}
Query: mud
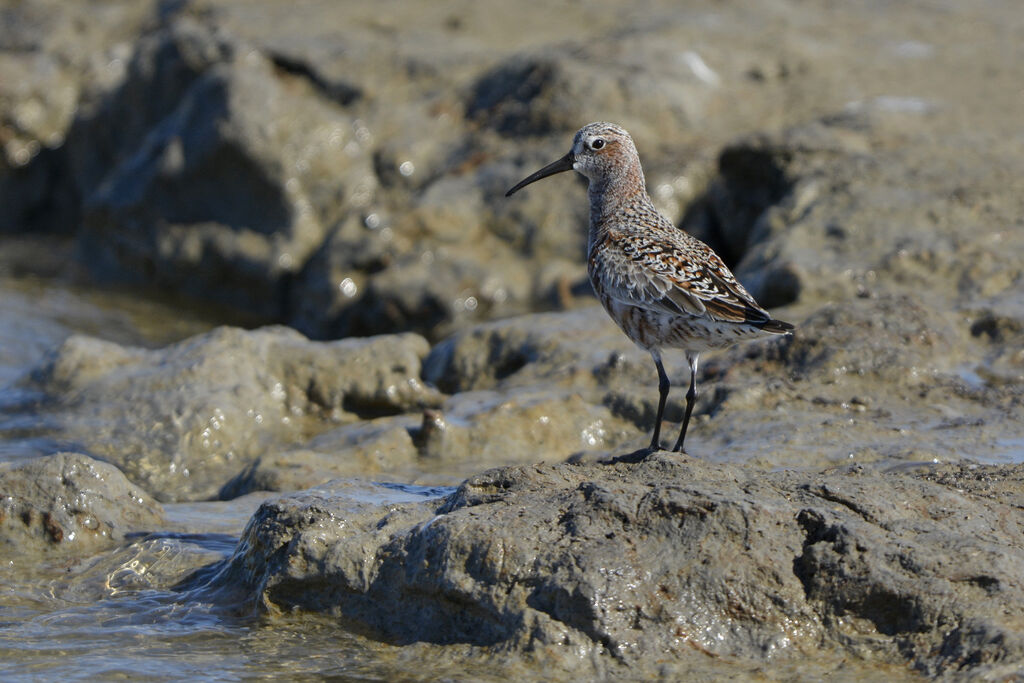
{"x": 849, "y": 505}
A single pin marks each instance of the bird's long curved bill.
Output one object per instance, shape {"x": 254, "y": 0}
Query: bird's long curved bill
{"x": 563, "y": 164}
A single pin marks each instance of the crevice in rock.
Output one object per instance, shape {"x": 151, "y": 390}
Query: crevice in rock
{"x": 835, "y": 575}
{"x": 831, "y": 497}
{"x": 752, "y": 178}
{"x": 339, "y": 92}
{"x": 575, "y": 611}
{"x": 815, "y": 531}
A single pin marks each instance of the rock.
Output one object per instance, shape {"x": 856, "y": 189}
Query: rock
{"x": 52, "y": 59}
{"x": 526, "y": 425}
{"x": 227, "y": 190}
{"x": 884, "y": 337}
{"x": 69, "y": 503}
{"x": 1003, "y": 358}
{"x": 821, "y": 211}
{"x": 549, "y": 348}
{"x": 182, "y": 421}
{"x": 655, "y": 567}
{"x": 869, "y": 380}
{"x": 353, "y": 137}
{"x": 433, "y": 292}
{"x": 469, "y": 431}
{"x": 435, "y": 263}
{"x": 560, "y": 90}
{"x": 382, "y": 448}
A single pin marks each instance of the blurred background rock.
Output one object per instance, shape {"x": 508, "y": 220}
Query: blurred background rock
{"x": 339, "y": 166}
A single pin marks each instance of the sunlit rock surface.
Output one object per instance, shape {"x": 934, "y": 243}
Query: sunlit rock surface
{"x": 183, "y": 420}
{"x": 663, "y": 567}
{"x": 71, "y": 504}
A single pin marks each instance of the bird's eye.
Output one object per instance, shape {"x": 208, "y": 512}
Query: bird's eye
{"x": 597, "y": 144}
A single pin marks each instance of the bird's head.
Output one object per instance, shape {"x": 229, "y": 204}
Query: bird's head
{"x": 600, "y": 151}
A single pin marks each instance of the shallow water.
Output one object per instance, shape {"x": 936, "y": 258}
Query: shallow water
{"x": 121, "y": 614}
{"x": 118, "y": 614}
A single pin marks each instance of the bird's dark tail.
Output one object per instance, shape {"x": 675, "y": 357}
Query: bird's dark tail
{"x": 777, "y": 327}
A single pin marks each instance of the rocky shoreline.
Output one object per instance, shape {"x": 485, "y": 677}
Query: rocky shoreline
{"x": 441, "y": 424}
{"x": 664, "y": 566}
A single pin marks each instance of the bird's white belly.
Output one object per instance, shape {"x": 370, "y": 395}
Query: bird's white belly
{"x": 652, "y": 330}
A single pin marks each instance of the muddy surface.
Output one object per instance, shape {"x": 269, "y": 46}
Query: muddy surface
{"x": 653, "y": 568}
{"x": 260, "y": 252}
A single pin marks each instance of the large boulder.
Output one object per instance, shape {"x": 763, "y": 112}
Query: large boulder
{"x": 668, "y": 566}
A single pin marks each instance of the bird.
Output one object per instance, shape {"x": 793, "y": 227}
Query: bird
{"x": 663, "y": 287}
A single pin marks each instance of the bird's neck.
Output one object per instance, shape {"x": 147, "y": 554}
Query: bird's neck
{"x": 611, "y": 195}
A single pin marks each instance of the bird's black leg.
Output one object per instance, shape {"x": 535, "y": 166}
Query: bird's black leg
{"x": 691, "y": 398}
{"x": 663, "y": 387}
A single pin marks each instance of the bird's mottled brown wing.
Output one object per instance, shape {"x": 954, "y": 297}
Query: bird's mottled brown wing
{"x": 678, "y": 278}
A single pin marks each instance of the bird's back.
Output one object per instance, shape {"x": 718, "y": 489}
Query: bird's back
{"x": 685, "y": 295}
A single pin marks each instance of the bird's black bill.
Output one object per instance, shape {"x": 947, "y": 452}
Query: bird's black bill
{"x": 563, "y": 164}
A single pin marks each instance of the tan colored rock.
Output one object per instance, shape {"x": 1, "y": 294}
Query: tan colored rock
{"x": 69, "y": 503}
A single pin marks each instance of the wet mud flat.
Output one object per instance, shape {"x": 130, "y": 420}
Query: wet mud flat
{"x": 287, "y": 387}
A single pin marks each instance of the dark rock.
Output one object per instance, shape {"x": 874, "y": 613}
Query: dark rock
{"x": 53, "y": 59}
{"x": 655, "y": 566}
{"x": 438, "y": 266}
{"x": 222, "y": 180}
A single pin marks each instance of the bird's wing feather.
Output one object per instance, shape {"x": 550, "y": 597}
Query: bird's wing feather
{"x": 684, "y": 278}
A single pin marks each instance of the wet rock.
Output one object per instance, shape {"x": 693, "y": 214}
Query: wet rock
{"x": 182, "y": 421}
{"x": 381, "y": 448}
{"x": 524, "y": 425}
{"x": 436, "y": 262}
{"x": 871, "y": 379}
{"x": 468, "y": 432}
{"x": 670, "y": 559}
{"x": 70, "y": 503}
{"x": 435, "y": 294}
